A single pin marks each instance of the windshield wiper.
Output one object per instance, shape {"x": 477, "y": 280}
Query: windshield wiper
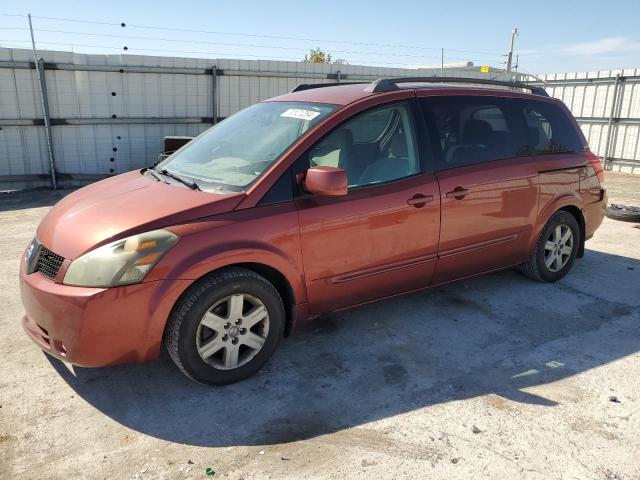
{"x": 153, "y": 173}
{"x": 184, "y": 180}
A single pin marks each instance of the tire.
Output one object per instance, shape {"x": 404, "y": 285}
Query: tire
{"x": 537, "y": 267}
{"x": 204, "y": 333}
{"x": 624, "y": 213}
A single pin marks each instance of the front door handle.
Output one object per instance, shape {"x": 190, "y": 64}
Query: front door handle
{"x": 458, "y": 193}
{"x": 419, "y": 200}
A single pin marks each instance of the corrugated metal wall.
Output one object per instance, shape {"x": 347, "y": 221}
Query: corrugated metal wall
{"x": 110, "y": 112}
{"x": 601, "y": 102}
{"x": 131, "y": 111}
{"x": 103, "y": 148}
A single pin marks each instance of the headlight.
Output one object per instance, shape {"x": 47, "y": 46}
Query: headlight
{"x": 31, "y": 256}
{"x": 122, "y": 262}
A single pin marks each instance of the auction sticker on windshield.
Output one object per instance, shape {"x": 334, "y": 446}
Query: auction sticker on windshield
{"x": 300, "y": 114}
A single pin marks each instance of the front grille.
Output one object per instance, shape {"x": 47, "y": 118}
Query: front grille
{"x": 48, "y": 263}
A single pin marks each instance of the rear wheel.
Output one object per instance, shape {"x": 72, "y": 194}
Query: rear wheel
{"x": 556, "y": 249}
{"x": 226, "y": 327}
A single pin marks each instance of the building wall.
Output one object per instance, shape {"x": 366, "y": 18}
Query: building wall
{"x": 108, "y": 122}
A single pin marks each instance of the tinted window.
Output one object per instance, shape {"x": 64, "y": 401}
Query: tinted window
{"x": 475, "y": 129}
{"x": 549, "y": 130}
{"x": 370, "y": 126}
{"x": 374, "y": 147}
{"x": 281, "y": 191}
{"x": 493, "y": 116}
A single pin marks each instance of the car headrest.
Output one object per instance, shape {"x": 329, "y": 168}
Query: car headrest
{"x": 340, "y": 139}
{"x": 477, "y": 132}
{"x": 398, "y": 147}
{"x": 534, "y": 136}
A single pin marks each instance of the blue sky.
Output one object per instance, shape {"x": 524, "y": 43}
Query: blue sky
{"x": 558, "y": 36}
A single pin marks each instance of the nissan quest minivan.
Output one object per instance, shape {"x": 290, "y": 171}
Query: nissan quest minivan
{"x": 325, "y": 198}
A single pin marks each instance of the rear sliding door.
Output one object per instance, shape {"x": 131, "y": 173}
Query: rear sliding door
{"x": 488, "y": 183}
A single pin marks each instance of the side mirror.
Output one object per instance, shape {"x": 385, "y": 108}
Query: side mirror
{"x": 326, "y": 181}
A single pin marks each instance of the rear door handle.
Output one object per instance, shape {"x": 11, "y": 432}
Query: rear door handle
{"x": 419, "y": 200}
{"x": 458, "y": 193}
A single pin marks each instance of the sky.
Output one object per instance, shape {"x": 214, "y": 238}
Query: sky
{"x": 553, "y": 36}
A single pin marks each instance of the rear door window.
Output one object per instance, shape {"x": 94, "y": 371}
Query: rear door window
{"x": 472, "y": 130}
{"x": 549, "y": 130}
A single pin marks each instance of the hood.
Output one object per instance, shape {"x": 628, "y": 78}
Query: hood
{"x": 121, "y": 206}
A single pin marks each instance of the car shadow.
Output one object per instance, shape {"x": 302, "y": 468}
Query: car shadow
{"x": 497, "y": 334}
{"x": 25, "y": 199}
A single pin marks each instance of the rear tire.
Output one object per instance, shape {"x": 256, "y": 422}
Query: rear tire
{"x": 226, "y": 327}
{"x": 556, "y": 249}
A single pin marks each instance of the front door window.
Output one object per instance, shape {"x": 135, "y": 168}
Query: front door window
{"x": 376, "y": 147}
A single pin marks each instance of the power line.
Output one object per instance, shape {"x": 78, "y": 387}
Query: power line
{"x": 250, "y": 45}
{"x": 278, "y": 37}
{"x": 136, "y": 49}
{"x": 475, "y": 52}
{"x": 202, "y": 42}
{"x": 527, "y": 72}
{"x": 279, "y": 47}
{"x": 238, "y": 55}
{"x": 133, "y": 50}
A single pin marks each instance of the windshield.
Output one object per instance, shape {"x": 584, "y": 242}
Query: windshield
{"x": 239, "y": 149}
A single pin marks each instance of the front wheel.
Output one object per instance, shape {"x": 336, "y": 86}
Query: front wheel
{"x": 556, "y": 250}
{"x": 225, "y": 327}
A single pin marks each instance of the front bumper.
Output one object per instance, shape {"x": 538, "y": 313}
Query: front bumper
{"x": 95, "y": 327}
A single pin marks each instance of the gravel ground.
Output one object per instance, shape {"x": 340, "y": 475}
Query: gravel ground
{"x": 497, "y": 377}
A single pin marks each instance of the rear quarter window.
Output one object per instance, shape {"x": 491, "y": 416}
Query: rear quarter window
{"x": 549, "y": 130}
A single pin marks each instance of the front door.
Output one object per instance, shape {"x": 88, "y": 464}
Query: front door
{"x": 381, "y": 238}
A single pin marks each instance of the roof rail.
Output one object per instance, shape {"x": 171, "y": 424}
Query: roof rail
{"x": 309, "y": 86}
{"x": 390, "y": 84}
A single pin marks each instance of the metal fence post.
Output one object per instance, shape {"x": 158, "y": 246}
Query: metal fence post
{"x": 39, "y": 64}
{"x": 616, "y": 119}
{"x": 214, "y": 90}
{"x": 606, "y": 159}
{"x": 47, "y": 121}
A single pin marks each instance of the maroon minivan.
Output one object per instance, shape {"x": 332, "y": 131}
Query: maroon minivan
{"x": 322, "y": 199}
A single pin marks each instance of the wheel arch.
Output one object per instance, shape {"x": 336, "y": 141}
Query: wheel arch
{"x": 569, "y": 202}
{"x": 281, "y": 283}
{"x": 578, "y": 215}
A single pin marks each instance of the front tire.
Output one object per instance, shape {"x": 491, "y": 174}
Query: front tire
{"x": 226, "y": 327}
{"x": 556, "y": 249}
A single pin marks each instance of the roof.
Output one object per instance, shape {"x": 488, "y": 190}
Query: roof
{"x": 350, "y": 92}
{"x": 338, "y": 95}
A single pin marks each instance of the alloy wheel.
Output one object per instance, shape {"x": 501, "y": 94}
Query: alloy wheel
{"x": 232, "y": 331}
{"x": 558, "y": 248}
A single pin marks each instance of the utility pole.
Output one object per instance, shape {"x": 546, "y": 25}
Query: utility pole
{"x": 514, "y": 34}
{"x": 442, "y": 62}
